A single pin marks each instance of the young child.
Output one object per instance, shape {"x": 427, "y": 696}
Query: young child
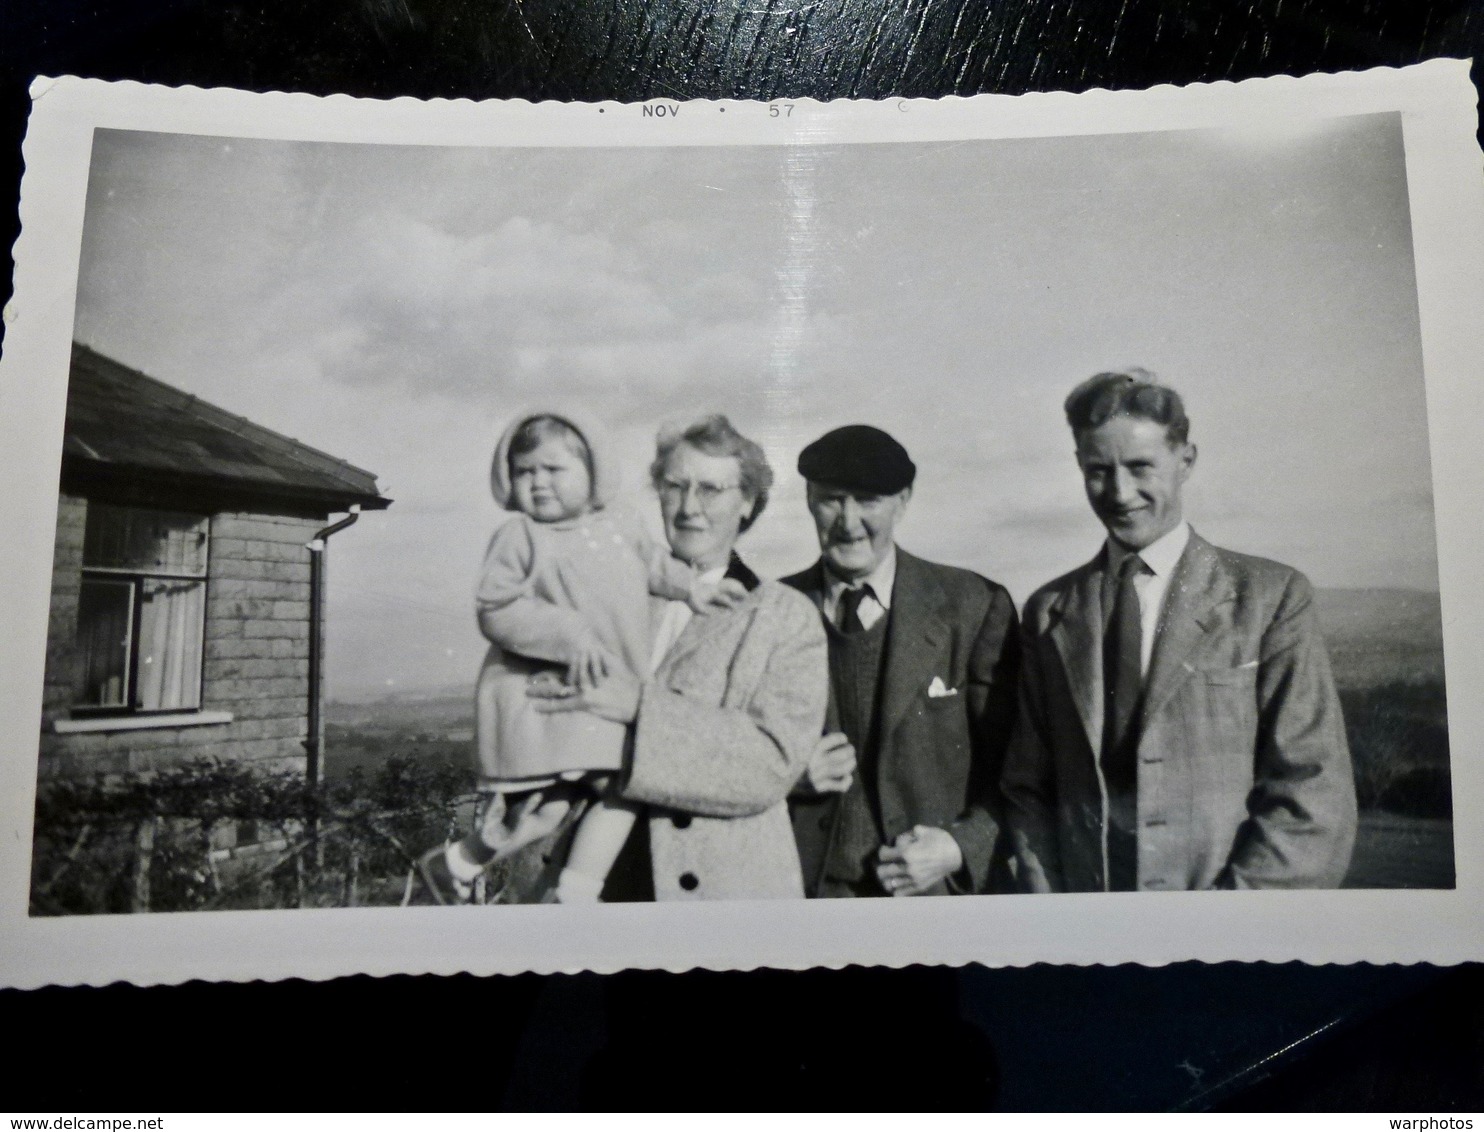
{"x": 563, "y": 595}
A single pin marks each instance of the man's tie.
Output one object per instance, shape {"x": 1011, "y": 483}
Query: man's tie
{"x": 1123, "y": 682}
{"x": 1123, "y": 676}
{"x": 849, "y": 613}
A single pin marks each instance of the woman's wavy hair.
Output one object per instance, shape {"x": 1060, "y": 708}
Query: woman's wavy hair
{"x": 714, "y": 435}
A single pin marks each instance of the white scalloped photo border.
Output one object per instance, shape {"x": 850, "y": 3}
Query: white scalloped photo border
{"x": 1437, "y": 105}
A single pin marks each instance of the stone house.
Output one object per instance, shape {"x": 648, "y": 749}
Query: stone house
{"x": 187, "y": 582}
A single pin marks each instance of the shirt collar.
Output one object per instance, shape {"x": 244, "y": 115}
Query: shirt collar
{"x": 1160, "y": 556}
{"x": 881, "y": 580}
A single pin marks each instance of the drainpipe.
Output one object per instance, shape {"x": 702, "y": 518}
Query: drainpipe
{"x": 314, "y": 743}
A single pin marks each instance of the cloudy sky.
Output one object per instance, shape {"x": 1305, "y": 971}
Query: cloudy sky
{"x": 394, "y": 305}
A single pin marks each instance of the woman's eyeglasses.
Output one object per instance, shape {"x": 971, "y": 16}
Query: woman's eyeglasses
{"x": 706, "y": 493}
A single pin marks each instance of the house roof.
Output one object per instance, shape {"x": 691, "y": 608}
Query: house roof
{"x": 121, "y": 421}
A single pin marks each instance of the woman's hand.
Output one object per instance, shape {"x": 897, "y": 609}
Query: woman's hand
{"x": 616, "y": 698}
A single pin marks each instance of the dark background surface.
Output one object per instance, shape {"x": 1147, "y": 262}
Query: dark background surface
{"x": 1257, "y": 1036}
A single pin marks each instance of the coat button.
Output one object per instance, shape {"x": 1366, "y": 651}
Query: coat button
{"x": 680, "y": 821}
{"x": 824, "y": 823}
{"x": 689, "y": 881}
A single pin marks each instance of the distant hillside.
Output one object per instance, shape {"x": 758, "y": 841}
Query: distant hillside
{"x": 442, "y": 714}
{"x": 425, "y": 729}
{"x": 1382, "y": 636}
{"x": 1376, "y": 637}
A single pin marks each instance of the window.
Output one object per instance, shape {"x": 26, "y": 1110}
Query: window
{"x": 141, "y": 614}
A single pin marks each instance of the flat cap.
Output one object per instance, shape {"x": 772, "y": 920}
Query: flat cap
{"x": 859, "y": 458}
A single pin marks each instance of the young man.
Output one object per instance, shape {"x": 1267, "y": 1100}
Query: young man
{"x": 1178, "y": 725}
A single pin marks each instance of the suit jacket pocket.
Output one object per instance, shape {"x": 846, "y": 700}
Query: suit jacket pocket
{"x": 942, "y": 703}
{"x": 1218, "y": 726}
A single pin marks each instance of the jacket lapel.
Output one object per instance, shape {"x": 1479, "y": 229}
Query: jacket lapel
{"x": 739, "y": 571}
{"x": 919, "y": 627}
{"x": 809, "y": 582}
{"x": 702, "y": 626}
{"x": 1198, "y": 589}
{"x": 1077, "y": 633}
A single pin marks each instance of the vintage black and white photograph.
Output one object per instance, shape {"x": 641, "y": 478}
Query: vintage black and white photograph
{"x": 968, "y": 522}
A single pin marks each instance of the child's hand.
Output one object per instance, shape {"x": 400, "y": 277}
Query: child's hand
{"x": 592, "y": 664}
{"x": 726, "y": 594}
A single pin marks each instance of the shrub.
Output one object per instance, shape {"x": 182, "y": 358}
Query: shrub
{"x": 145, "y": 842}
{"x": 1399, "y": 747}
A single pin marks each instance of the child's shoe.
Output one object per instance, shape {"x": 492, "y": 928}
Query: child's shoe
{"x": 439, "y": 880}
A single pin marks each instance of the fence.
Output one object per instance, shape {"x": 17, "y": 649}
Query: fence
{"x": 212, "y": 834}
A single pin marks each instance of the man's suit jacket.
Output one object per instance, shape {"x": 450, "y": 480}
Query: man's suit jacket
{"x": 1244, "y": 775}
{"x": 940, "y": 757}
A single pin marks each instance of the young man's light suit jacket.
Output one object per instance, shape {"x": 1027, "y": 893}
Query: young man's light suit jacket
{"x": 1244, "y": 776}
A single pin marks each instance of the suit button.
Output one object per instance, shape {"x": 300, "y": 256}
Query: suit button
{"x": 689, "y": 881}
{"x": 680, "y": 821}
{"x": 824, "y": 823}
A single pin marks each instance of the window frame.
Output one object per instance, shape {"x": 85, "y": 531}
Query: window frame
{"x": 89, "y": 716}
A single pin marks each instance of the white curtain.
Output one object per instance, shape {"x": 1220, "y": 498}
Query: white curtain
{"x": 171, "y": 620}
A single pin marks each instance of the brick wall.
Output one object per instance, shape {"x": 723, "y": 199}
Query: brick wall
{"x": 256, "y": 662}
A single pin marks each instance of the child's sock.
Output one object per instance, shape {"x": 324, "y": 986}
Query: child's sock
{"x": 577, "y": 888}
{"x": 463, "y": 864}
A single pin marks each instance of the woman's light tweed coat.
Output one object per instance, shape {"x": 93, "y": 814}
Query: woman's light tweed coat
{"x": 724, "y": 730}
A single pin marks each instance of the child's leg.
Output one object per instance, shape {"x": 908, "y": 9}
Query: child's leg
{"x": 505, "y": 823}
{"x": 600, "y": 836}
{"x": 467, "y": 857}
{"x": 449, "y": 871}
{"x": 512, "y": 821}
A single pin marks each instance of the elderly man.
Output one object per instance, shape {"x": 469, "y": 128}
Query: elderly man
{"x": 1178, "y": 726}
{"x": 901, "y": 795}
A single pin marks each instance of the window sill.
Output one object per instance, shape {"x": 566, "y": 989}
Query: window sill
{"x": 141, "y": 722}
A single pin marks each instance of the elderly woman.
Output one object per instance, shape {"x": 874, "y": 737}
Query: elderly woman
{"x": 736, "y": 703}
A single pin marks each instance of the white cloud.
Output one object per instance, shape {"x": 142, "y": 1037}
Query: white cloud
{"x": 392, "y": 306}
